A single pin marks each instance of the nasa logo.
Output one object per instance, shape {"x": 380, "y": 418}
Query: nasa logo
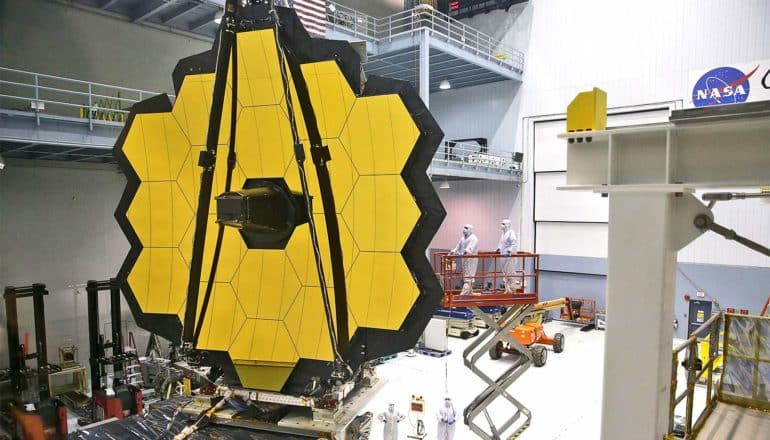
{"x": 723, "y": 85}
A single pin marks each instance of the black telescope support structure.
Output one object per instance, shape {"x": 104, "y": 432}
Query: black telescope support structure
{"x": 16, "y": 354}
{"x": 96, "y": 343}
{"x": 207, "y": 161}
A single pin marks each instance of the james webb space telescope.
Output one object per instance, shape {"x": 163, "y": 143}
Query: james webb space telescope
{"x": 279, "y": 212}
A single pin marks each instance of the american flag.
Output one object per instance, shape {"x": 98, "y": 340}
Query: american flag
{"x": 312, "y": 14}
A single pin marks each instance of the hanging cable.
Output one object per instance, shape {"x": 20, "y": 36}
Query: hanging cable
{"x": 446, "y": 358}
{"x": 341, "y": 369}
{"x": 698, "y": 288}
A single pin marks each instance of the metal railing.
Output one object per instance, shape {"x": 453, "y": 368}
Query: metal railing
{"x": 55, "y": 95}
{"x": 694, "y": 373}
{"x": 471, "y": 155}
{"x": 488, "y": 278}
{"x": 410, "y": 22}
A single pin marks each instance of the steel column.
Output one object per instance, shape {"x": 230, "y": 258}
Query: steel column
{"x": 41, "y": 346}
{"x": 90, "y": 108}
{"x": 652, "y": 215}
{"x": 37, "y": 101}
{"x": 640, "y": 279}
{"x": 92, "y": 292}
{"x": 12, "y": 326}
{"x": 425, "y": 67}
{"x": 117, "y": 333}
{"x": 646, "y": 229}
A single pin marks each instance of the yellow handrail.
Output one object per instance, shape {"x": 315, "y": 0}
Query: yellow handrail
{"x": 711, "y": 327}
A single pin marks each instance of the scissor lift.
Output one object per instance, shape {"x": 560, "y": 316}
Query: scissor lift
{"x": 489, "y": 289}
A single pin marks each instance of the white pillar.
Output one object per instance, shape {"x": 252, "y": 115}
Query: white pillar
{"x": 646, "y": 229}
{"x": 650, "y": 173}
{"x": 424, "y": 67}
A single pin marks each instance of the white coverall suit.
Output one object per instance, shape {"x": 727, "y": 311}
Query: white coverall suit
{"x": 390, "y": 418}
{"x": 467, "y": 245}
{"x": 446, "y": 421}
{"x": 508, "y": 245}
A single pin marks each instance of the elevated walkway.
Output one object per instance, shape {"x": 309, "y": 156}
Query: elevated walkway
{"x": 455, "y": 52}
{"x": 466, "y": 160}
{"x": 428, "y": 48}
{"x": 46, "y": 117}
{"x": 26, "y": 135}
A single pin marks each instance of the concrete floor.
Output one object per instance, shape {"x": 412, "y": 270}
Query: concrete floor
{"x": 564, "y": 395}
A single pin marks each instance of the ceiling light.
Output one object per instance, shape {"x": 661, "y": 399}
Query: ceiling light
{"x": 444, "y": 84}
{"x": 218, "y": 17}
{"x": 445, "y": 185}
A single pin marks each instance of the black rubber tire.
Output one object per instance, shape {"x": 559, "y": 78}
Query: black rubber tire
{"x": 465, "y": 335}
{"x": 496, "y": 352}
{"x": 539, "y": 355}
{"x": 558, "y": 343}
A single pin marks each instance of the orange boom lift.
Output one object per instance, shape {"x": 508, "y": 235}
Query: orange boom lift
{"x": 530, "y": 333}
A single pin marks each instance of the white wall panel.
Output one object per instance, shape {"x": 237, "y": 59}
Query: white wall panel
{"x": 56, "y": 39}
{"x": 479, "y": 111}
{"x": 480, "y": 203}
{"x": 57, "y": 227}
{"x": 643, "y": 50}
{"x": 554, "y": 205}
{"x": 639, "y": 64}
{"x": 573, "y": 239}
{"x": 571, "y": 206}
{"x": 638, "y": 117}
{"x": 511, "y": 27}
{"x": 550, "y": 151}
{"x": 378, "y": 8}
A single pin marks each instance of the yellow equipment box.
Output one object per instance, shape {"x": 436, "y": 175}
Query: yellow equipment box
{"x": 588, "y": 111}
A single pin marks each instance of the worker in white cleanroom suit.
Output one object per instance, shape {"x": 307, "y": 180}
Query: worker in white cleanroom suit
{"x": 446, "y": 421}
{"x": 508, "y": 245}
{"x": 467, "y": 245}
{"x": 390, "y": 418}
